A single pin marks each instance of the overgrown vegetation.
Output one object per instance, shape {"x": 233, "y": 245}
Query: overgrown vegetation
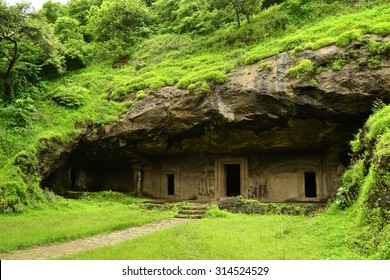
{"x": 367, "y": 183}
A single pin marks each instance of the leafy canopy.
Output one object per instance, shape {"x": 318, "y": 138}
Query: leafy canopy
{"x": 26, "y": 45}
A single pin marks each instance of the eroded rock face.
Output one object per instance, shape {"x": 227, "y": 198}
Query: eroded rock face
{"x": 256, "y": 112}
{"x": 260, "y": 110}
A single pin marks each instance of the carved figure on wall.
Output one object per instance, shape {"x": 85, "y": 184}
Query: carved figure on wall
{"x": 139, "y": 182}
{"x": 253, "y": 193}
{"x": 257, "y": 192}
{"x": 207, "y": 183}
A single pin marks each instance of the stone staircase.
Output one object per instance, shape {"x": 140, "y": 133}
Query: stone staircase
{"x": 192, "y": 211}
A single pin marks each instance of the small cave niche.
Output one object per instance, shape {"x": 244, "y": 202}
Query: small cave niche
{"x": 81, "y": 174}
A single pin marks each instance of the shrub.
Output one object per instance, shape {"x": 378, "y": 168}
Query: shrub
{"x": 20, "y": 113}
{"x": 265, "y": 66}
{"x": 141, "y": 95}
{"x": 381, "y": 28}
{"x": 338, "y": 63}
{"x": 349, "y": 36}
{"x": 323, "y": 42}
{"x": 352, "y": 180}
{"x": 192, "y": 87}
{"x": 215, "y": 212}
{"x": 304, "y": 67}
{"x": 71, "y": 97}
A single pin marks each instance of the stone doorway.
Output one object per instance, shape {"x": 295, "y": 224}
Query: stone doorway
{"x": 231, "y": 176}
{"x": 232, "y": 179}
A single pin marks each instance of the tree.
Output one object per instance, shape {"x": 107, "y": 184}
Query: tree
{"x": 26, "y": 44}
{"x": 199, "y": 16}
{"x": 68, "y": 30}
{"x": 53, "y": 10}
{"x": 118, "y": 24}
{"x": 79, "y": 9}
{"x": 246, "y": 7}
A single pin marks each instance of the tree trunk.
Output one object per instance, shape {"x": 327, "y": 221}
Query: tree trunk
{"x": 7, "y": 75}
{"x": 238, "y": 18}
{"x": 6, "y": 87}
{"x": 248, "y": 17}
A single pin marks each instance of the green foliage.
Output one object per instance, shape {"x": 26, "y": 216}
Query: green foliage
{"x": 304, "y": 67}
{"x": 21, "y": 113}
{"x": 349, "y": 36}
{"x": 141, "y": 95}
{"x": 189, "y": 16}
{"x": 119, "y": 23}
{"x": 366, "y": 183}
{"x": 80, "y": 9}
{"x": 376, "y": 50}
{"x": 53, "y": 10}
{"x": 381, "y": 28}
{"x": 352, "y": 180}
{"x": 265, "y": 66}
{"x": 156, "y": 56}
{"x": 26, "y": 43}
{"x": 72, "y": 97}
{"x": 323, "y": 42}
{"x": 209, "y": 76}
{"x": 215, "y": 212}
{"x": 338, "y": 63}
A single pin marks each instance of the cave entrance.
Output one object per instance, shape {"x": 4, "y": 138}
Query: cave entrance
{"x": 232, "y": 179}
{"x": 310, "y": 185}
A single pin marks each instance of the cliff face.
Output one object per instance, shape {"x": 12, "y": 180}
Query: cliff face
{"x": 259, "y": 109}
{"x": 262, "y": 109}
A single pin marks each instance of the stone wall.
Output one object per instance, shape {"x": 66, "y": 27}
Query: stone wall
{"x": 276, "y": 177}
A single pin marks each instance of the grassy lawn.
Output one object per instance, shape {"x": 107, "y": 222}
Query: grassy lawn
{"x": 239, "y": 236}
{"x": 71, "y": 219}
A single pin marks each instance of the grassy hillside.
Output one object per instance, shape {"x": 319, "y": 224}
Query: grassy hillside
{"x": 366, "y": 185}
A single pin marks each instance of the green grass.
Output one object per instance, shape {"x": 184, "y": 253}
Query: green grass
{"x": 243, "y": 237}
{"x": 70, "y": 219}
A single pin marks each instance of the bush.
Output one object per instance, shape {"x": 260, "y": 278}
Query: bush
{"x": 141, "y": 95}
{"x": 338, "y": 63}
{"x": 215, "y": 212}
{"x": 304, "y": 67}
{"x": 381, "y": 28}
{"x": 323, "y": 42}
{"x": 71, "y": 97}
{"x": 20, "y": 113}
{"x": 347, "y": 37}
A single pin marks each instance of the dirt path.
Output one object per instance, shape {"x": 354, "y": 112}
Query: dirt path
{"x": 75, "y": 246}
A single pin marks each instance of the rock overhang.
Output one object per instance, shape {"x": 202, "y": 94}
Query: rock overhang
{"x": 255, "y": 112}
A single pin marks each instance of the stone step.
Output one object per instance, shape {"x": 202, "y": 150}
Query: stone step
{"x": 192, "y": 211}
{"x": 195, "y": 207}
{"x": 182, "y": 216}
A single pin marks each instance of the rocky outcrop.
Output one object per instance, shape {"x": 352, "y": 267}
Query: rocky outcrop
{"x": 257, "y": 110}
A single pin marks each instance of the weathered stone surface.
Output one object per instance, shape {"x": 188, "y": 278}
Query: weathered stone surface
{"x": 274, "y": 126}
{"x": 257, "y": 110}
